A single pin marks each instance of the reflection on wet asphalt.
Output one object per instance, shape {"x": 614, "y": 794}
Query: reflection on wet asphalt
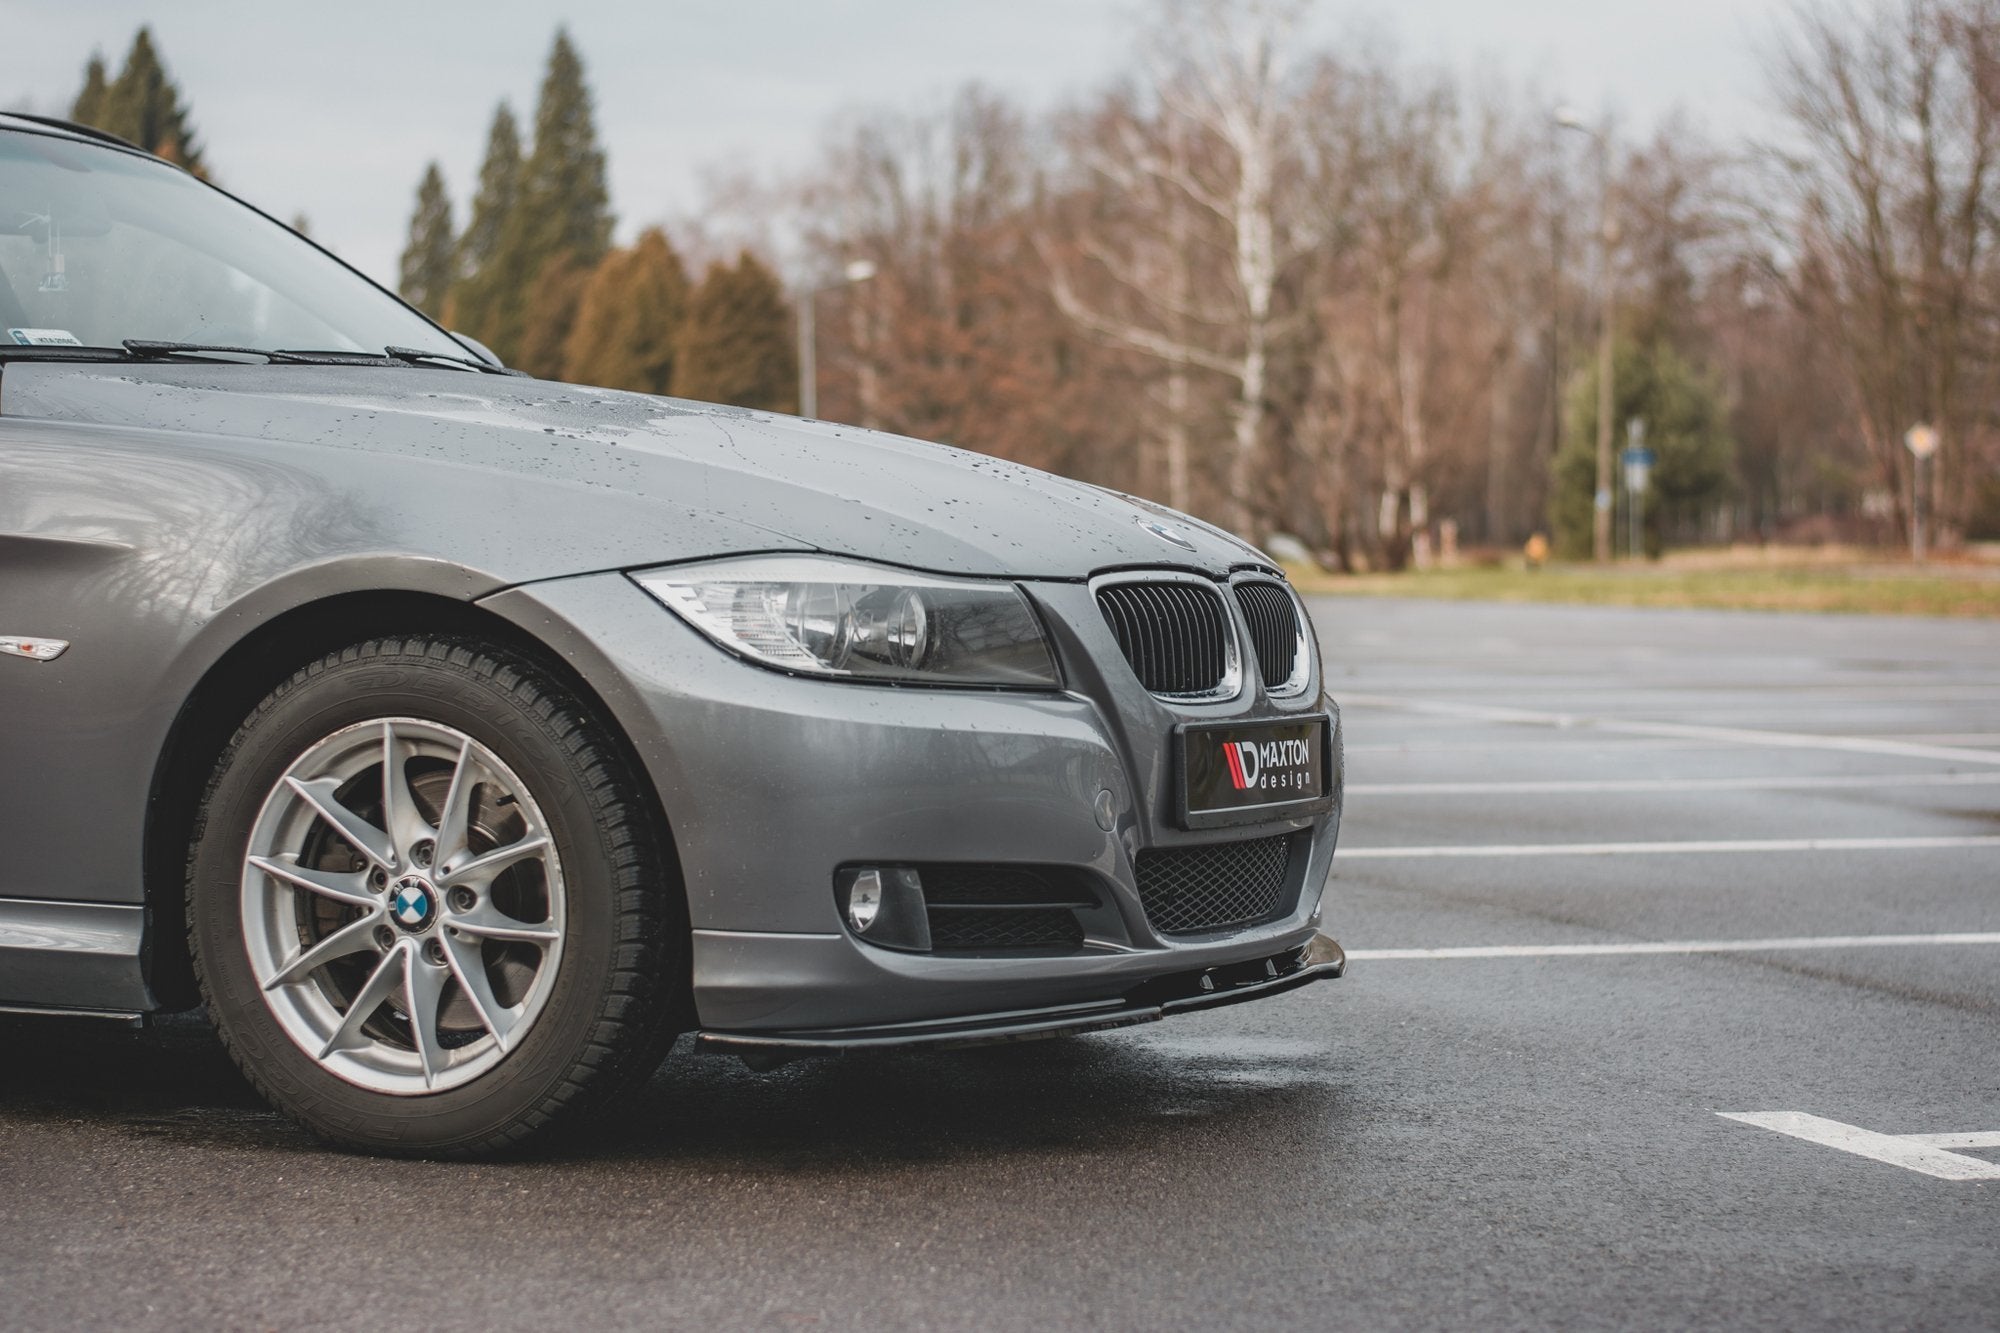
{"x": 174, "y": 1079}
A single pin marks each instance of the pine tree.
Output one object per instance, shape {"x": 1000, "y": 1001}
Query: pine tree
{"x": 565, "y": 203}
{"x": 430, "y": 259}
{"x": 1687, "y": 429}
{"x": 143, "y": 105}
{"x": 499, "y": 190}
{"x": 548, "y": 316}
{"x": 530, "y": 212}
{"x": 560, "y": 208}
{"x": 88, "y": 109}
{"x": 736, "y": 344}
{"x": 481, "y": 286}
{"x": 630, "y": 316}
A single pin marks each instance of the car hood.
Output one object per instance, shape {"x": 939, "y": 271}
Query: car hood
{"x": 834, "y": 488}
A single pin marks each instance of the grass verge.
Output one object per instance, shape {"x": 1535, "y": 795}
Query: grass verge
{"x": 1875, "y": 591}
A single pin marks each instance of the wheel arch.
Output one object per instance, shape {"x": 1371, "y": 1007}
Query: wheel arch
{"x": 256, "y": 664}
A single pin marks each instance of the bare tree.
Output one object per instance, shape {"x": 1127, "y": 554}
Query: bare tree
{"x": 1891, "y": 220}
{"x": 1206, "y": 150}
{"x": 955, "y": 337}
{"x": 1333, "y": 295}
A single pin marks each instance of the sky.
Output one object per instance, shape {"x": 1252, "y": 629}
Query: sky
{"x": 331, "y": 111}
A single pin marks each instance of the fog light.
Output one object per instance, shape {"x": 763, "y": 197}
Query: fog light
{"x": 864, "y": 899}
{"x": 884, "y": 905}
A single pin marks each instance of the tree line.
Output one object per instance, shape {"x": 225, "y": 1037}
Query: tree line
{"x": 1345, "y": 296}
{"x": 1329, "y": 293}
{"x": 534, "y": 275}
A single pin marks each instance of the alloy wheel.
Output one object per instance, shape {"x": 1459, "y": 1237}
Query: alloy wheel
{"x": 403, "y": 906}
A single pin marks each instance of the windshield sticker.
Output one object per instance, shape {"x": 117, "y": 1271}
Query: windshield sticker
{"x": 43, "y": 337}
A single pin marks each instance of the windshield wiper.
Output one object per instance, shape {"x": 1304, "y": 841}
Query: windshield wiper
{"x": 59, "y": 352}
{"x": 148, "y": 349}
{"x": 417, "y": 355}
{"x": 145, "y": 349}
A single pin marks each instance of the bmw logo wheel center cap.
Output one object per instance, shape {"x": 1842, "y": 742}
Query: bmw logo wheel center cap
{"x": 413, "y": 902}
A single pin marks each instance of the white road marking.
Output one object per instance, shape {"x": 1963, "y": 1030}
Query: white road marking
{"x": 1979, "y": 1139}
{"x": 1483, "y": 850}
{"x": 1670, "y": 947}
{"x": 1912, "y": 1152}
{"x": 1621, "y": 744}
{"x": 1684, "y": 730}
{"x": 1798, "y": 782}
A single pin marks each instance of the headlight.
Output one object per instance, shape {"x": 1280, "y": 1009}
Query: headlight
{"x": 827, "y": 617}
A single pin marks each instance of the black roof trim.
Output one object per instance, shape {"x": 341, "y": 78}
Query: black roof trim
{"x": 85, "y": 131}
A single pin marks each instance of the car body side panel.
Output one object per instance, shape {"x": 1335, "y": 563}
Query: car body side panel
{"x": 154, "y": 552}
{"x": 155, "y": 515}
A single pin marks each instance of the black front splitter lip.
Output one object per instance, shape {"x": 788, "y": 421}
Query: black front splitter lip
{"x": 1320, "y": 959}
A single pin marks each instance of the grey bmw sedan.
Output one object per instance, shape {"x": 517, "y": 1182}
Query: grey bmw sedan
{"x": 460, "y": 740}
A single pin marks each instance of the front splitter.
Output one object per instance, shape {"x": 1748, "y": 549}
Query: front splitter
{"x": 1320, "y": 959}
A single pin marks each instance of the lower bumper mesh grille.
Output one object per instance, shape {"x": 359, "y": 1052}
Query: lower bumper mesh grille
{"x": 1190, "y": 889}
{"x": 1006, "y": 928}
{"x": 979, "y": 907}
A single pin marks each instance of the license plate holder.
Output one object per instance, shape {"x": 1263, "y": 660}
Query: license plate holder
{"x": 1251, "y": 772}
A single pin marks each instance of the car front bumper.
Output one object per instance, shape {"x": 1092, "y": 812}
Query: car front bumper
{"x": 770, "y": 782}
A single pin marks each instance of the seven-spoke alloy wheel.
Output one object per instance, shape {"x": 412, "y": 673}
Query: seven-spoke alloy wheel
{"x": 430, "y": 903}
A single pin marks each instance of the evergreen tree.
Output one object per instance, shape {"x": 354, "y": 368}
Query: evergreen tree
{"x": 430, "y": 259}
{"x": 736, "y": 344}
{"x": 481, "y": 286}
{"x": 144, "y": 106}
{"x": 629, "y": 318}
{"x": 565, "y": 203}
{"x": 561, "y": 207}
{"x": 499, "y": 190}
{"x": 548, "y": 316}
{"x": 1686, "y": 428}
{"x": 529, "y": 213}
{"x": 88, "y": 109}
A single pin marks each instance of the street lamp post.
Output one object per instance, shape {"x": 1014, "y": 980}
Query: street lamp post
{"x": 1922, "y": 441}
{"x": 1600, "y": 530}
{"x": 858, "y": 270}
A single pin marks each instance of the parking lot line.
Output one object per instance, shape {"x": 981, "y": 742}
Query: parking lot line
{"x": 1620, "y": 745}
{"x": 1980, "y": 1139}
{"x": 1795, "y": 740}
{"x": 1672, "y": 947}
{"x": 1905, "y": 1150}
{"x": 1780, "y": 782}
{"x": 1482, "y": 850}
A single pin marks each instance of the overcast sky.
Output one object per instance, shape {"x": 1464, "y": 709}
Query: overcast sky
{"x": 331, "y": 110}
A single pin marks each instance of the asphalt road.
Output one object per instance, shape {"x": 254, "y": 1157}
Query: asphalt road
{"x": 1439, "y": 1140}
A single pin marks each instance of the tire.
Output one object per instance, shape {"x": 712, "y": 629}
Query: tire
{"x": 517, "y": 986}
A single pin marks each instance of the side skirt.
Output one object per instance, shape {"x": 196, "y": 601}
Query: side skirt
{"x": 72, "y": 957}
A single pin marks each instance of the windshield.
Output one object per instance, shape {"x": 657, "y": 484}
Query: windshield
{"x": 98, "y": 246}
